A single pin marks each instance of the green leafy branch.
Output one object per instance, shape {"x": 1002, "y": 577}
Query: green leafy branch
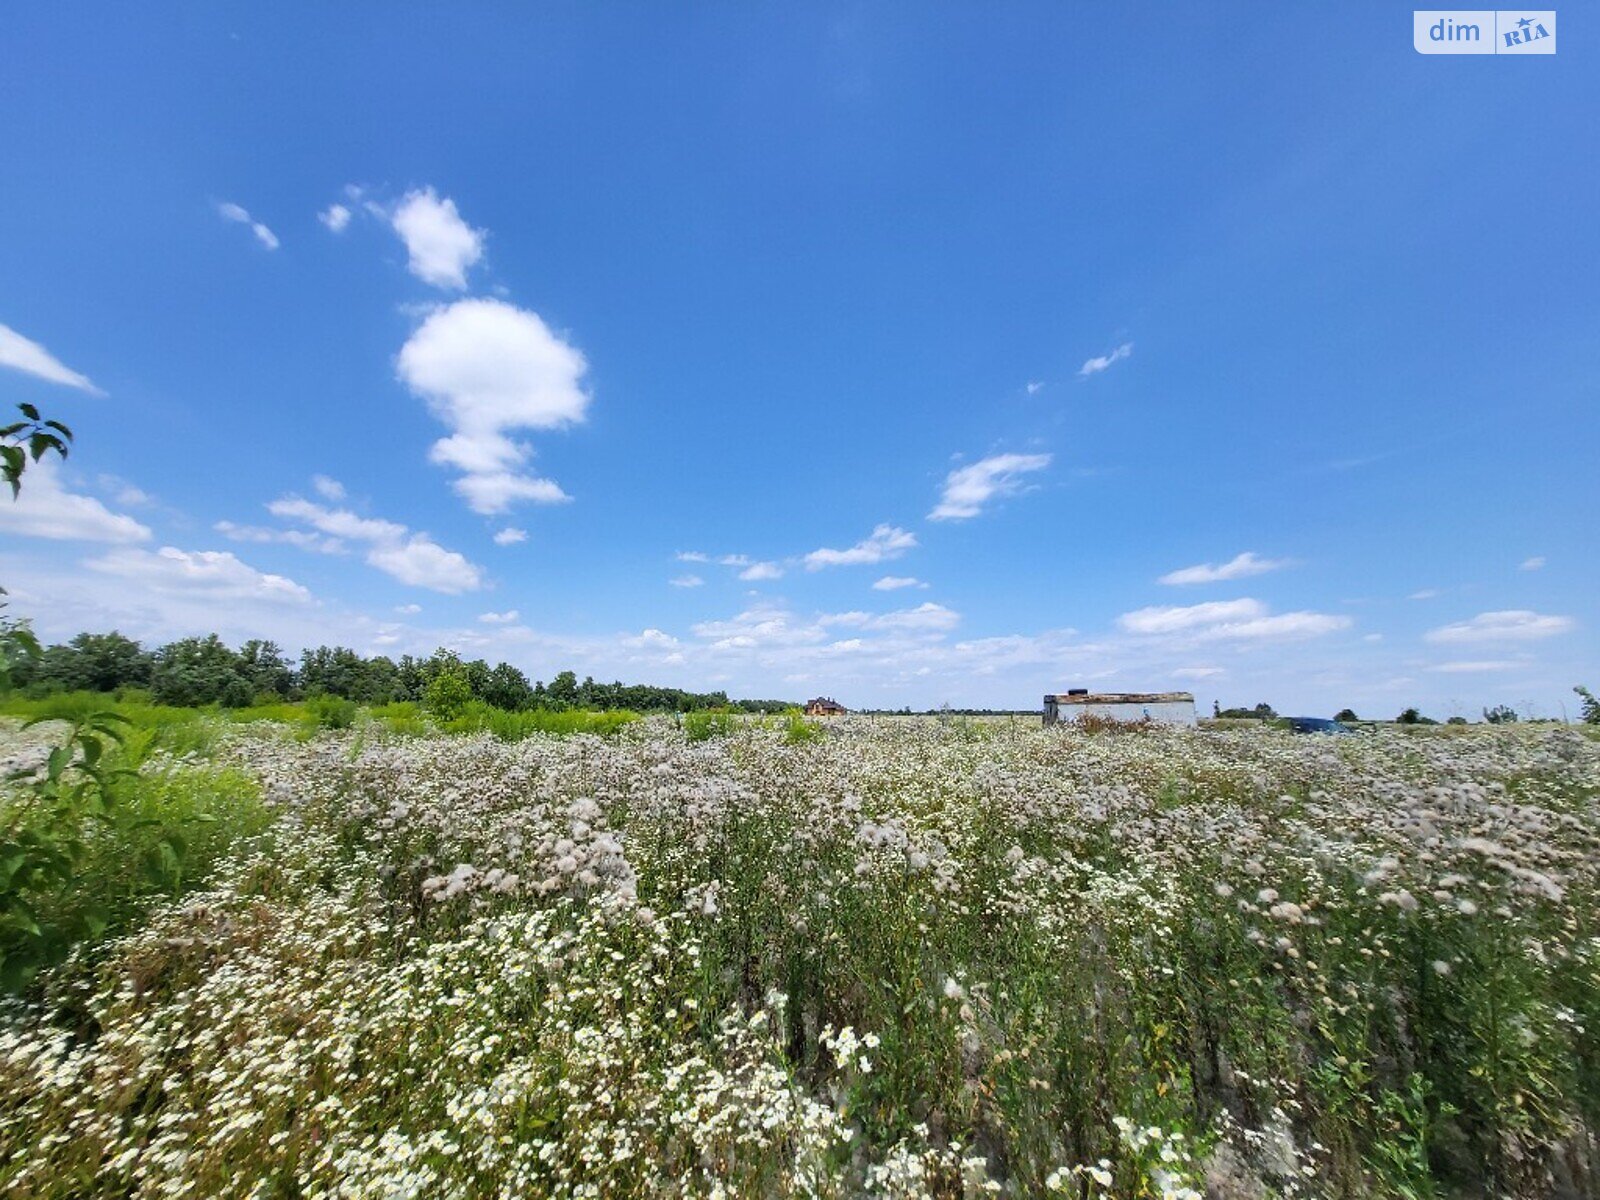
{"x": 32, "y": 437}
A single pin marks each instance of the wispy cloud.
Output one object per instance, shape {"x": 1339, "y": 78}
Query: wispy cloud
{"x": 237, "y": 214}
{"x": 1506, "y": 625}
{"x": 891, "y": 583}
{"x": 1095, "y": 365}
{"x": 510, "y": 536}
{"x": 885, "y": 542}
{"x": 24, "y": 354}
{"x": 1532, "y": 564}
{"x": 1241, "y": 566}
{"x": 412, "y": 558}
{"x": 1244, "y": 620}
{"x": 967, "y": 489}
{"x": 328, "y": 489}
{"x": 304, "y": 539}
{"x": 1475, "y": 667}
{"x": 760, "y": 571}
{"x": 499, "y": 618}
{"x": 687, "y": 581}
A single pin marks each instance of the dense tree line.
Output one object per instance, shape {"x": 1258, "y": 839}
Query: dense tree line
{"x": 206, "y": 670}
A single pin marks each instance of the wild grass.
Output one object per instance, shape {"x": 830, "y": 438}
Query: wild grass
{"x": 912, "y": 958}
{"x": 477, "y": 717}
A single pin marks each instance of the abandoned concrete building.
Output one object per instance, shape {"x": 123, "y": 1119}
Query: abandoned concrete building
{"x": 1164, "y": 708}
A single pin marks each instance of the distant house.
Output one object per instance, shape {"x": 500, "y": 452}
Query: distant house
{"x": 1164, "y": 708}
{"x": 825, "y": 706}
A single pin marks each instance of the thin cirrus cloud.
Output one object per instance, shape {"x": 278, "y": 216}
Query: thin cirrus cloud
{"x": 1532, "y": 564}
{"x": 303, "y": 539}
{"x": 442, "y": 247}
{"x": 412, "y": 558}
{"x": 44, "y": 508}
{"x": 687, "y": 581}
{"x": 230, "y": 211}
{"x": 884, "y": 542}
{"x": 28, "y": 356}
{"x": 1243, "y": 620}
{"x": 1104, "y": 361}
{"x": 1506, "y": 625}
{"x": 1241, "y": 566}
{"x": 487, "y": 369}
{"x": 967, "y": 489}
{"x": 892, "y": 583}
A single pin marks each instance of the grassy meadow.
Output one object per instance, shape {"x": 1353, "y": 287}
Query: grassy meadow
{"x": 609, "y": 956}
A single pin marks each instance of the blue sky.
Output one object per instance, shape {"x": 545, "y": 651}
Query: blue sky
{"x": 1254, "y": 355}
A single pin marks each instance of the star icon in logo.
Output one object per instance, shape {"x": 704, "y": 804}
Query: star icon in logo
{"x": 1525, "y": 22}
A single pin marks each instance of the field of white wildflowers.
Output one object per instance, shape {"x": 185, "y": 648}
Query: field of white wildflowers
{"x": 907, "y": 958}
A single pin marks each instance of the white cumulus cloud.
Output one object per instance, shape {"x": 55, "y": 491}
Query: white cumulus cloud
{"x": 885, "y": 542}
{"x": 215, "y": 575}
{"x": 510, "y": 536}
{"x": 44, "y": 508}
{"x": 23, "y": 354}
{"x": 1507, "y": 625}
{"x": 967, "y": 489}
{"x": 762, "y": 570}
{"x": 890, "y": 583}
{"x": 336, "y": 217}
{"x": 499, "y": 618}
{"x": 442, "y": 246}
{"x": 486, "y": 369}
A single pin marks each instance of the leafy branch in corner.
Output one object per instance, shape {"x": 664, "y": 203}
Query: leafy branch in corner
{"x": 32, "y": 437}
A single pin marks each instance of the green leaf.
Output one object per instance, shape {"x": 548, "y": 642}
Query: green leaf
{"x": 60, "y": 428}
{"x": 29, "y": 411}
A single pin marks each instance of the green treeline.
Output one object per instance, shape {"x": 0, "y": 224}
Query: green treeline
{"x": 198, "y": 671}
